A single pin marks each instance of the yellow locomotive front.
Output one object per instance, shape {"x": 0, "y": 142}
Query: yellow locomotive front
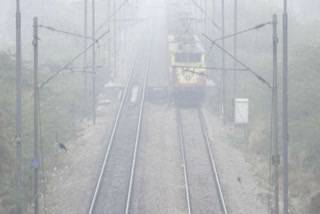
{"x": 187, "y": 62}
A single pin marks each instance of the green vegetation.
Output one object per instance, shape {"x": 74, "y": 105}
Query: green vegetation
{"x": 7, "y": 130}
{"x": 304, "y": 102}
{"x": 61, "y": 107}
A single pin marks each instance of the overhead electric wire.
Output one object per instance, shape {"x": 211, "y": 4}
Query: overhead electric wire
{"x": 69, "y": 63}
{"x": 211, "y": 68}
{"x": 65, "y": 32}
{"x": 109, "y": 17}
{"x": 203, "y": 11}
{"x": 81, "y": 69}
{"x": 244, "y": 31}
{"x": 131, "y": 20}
{"x": 241, "y": 63}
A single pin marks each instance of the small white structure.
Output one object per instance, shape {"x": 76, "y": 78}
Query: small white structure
{"x": 241, "y": 111}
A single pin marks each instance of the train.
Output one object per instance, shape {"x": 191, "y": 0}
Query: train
{"x": 187, "y": 67}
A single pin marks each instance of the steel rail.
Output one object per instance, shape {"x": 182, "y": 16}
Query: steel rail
{"x": 138, "y": 131}
{"x": 214, "y": 169}
{"x": 92, "y": 205}
{"x": 184, "y": 159}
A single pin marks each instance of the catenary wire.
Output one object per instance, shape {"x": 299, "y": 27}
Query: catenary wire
{"x": 260, "y": 78}
{"x": 69, "y": 63}
{"x": 64, "y": 32}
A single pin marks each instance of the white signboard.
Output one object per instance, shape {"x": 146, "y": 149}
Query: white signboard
{"x": 241, "y": 111}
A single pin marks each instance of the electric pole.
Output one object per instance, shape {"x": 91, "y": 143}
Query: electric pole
{"x": 18, "y": 102}
{"x": 285, "y": 110}
{"x": 276, "y": 158}
{"x": 125, "y": 29}
{"x": 197, "y": 18}
{"x": 109, "y": 37}
{"x": 213, "y": 12}
{"x": 205, "y": 21}
{"x": 114, "y": 37}
{"x": 93, "y": 64}
{"x": 235, "y": 48}
{"x": 123, "y": 24}
{"x": 223, "y": 72}
{"x": 85, "y": 93}
{"x": 36, "y": 110}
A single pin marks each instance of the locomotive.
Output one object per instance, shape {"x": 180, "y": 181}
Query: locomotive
{"x": 187, "y": 67}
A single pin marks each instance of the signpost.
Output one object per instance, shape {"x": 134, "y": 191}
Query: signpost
{"x": 241, "y": 111}
{"x": 241, "y": 117}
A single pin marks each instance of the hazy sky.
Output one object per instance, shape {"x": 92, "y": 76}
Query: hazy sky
{"x": 302, "y": 9}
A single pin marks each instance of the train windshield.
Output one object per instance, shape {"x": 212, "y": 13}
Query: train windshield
{"x": 188, "y": 57}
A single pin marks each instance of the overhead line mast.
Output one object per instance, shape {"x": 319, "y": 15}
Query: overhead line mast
{"x": 235, "y": 47}
{"x": 285, "y": 110}
{"x": 223, "y": 66}
{"x": 114, "y": 38}
{"x": 85, "y": 92}
{"x": 36, "y": 114}
{"x": 93, "y": 65}
{"x": 276, "y": 157}
{"x": 18, "y": 103}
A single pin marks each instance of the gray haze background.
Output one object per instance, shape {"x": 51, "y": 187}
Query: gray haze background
{"x": 302, "y": 10}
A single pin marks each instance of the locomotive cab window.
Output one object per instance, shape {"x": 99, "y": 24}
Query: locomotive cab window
{"x": 187, "y": 57}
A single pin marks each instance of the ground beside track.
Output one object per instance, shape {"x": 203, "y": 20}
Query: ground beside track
{"x": 204, "y": 197}
{"x": 159, "y": 183}
{"x": 249, "y": 196}
{"x": 70, "y": 183}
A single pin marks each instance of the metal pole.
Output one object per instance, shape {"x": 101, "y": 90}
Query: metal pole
{"x": 235, "y": 46}
{"x": 114, "y": 37}
{"x": 18, "y": 101}
{"x": 197, "y": 18}
{"x": 36, "y": 110}
{"x": 285, "y": 110}
{"x": 121, "y": 48}
{"x": 223, "y": 72}
{"x": 85, "y": 57}
{"x": 205, "y": 22}
{"x": 275, "y": 117}
{"x": 201, "y": 29}
{"x": 124, "y": 30}
{"x": 109, "y": 37}
{"x": 200, "y": 17}
{"x": 213, "y": 11}
{"x": 93, "y": 65}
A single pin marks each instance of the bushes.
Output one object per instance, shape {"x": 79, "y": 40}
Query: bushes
{"x": 60, "y": 102}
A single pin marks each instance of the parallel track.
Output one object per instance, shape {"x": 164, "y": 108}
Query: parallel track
{"x": 203, "y": 189}
{"x": 113, "y": 189}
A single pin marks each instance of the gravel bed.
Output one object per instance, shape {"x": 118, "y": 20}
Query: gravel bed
{"x": 244, "y": 192}
{"x": 158, "y": 182}
{"x": 70, "y": 184}
{"x": 203, "y": 192}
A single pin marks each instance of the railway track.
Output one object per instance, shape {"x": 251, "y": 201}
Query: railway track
{"x": 202, "y": 185}
{"x": 114, "y": 186}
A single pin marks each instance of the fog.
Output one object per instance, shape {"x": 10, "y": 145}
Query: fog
{"x": 303, "y": 10}
{"x": 158, "y": 113}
